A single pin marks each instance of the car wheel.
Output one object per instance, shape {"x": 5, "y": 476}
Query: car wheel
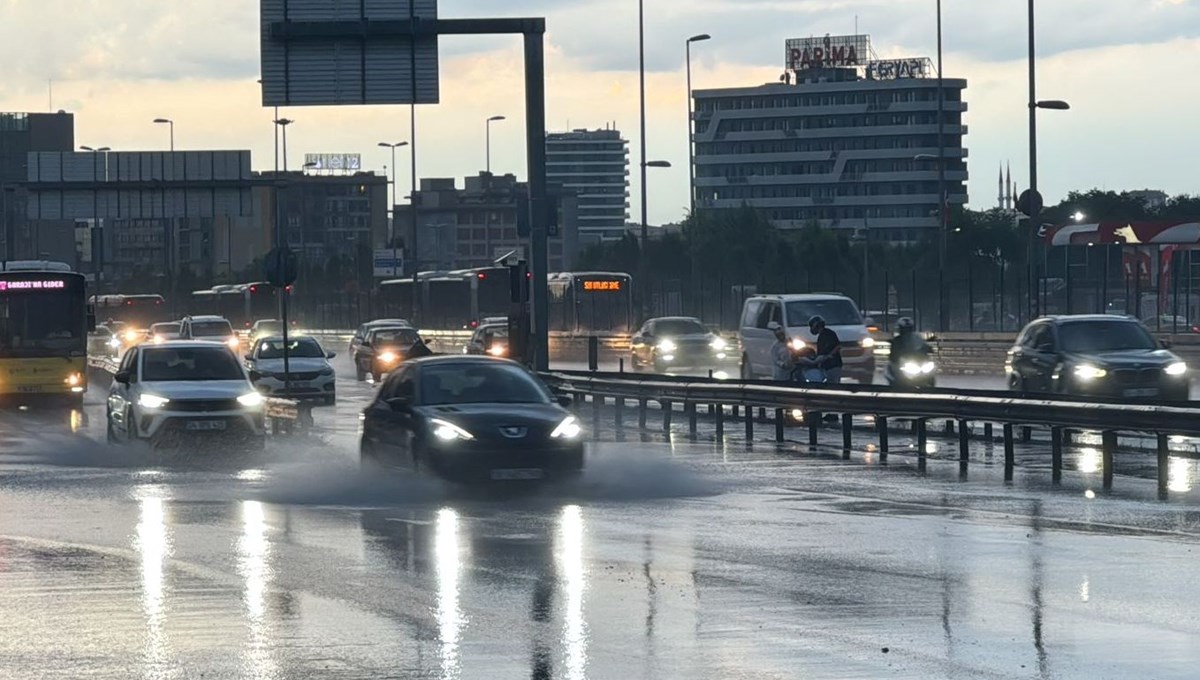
{"x": 376, "y": 376}
{"x": 359, "y": 373}
{"x": 633, "y": 364}
{"x": 747, "y": 372}
{"x": 110, "y": 435}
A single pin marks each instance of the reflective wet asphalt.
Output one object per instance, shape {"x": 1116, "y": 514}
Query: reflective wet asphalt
{"x": 668, "y": 559}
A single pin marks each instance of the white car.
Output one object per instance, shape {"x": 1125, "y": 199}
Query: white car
{"x": 167, "y": 393}
{"x": 162, "y": 332}
{"x": 793, "y": 313}
{"x": 210, "y": 329}
{"x": 312, "y": 378}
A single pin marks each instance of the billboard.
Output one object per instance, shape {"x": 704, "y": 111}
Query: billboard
{"x": 831, "y": 51}
{"x": 347, "y": 52}
{"x": 335, "y": 162}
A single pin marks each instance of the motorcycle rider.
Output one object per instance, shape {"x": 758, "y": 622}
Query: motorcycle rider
{"x": 829, "y": 349}
{"x": 906, "y": 346}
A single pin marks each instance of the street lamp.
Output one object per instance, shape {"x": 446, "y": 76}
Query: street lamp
{"x": 488, "y": 125}
{"x": 283, "y": 124}
{"x": 395, "y": 174}
{"x": 97, "y": 231}
{"x": 691, "y": 124}
{"x": 1078, "y": 216}
{"x": 171, "y": 123}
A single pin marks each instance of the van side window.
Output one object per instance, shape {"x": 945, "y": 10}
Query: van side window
{"x": 770, "y": 312}
{"x": 750, "y": 316}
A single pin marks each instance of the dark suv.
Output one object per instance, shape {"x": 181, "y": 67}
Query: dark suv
{"x": 1095, "y": 355}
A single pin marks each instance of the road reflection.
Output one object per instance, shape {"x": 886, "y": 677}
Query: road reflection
{"x": 253, "y": 550}
{"x": 152, "y": 542}
{"x": 1179, "y": 475}
{"x": 449, "y": 615}
{"x": 572, "y": 573}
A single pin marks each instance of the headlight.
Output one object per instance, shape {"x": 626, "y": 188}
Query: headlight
{"x": 497, "y": 350}
{"x": 568, "y": 429}
{"x": 74, "y": 380}
{"x": 131, "y": 336}
{"x": 152, "y": 401}
{"x": 868, "y": 343}
{"x": 719, "y": 344}
{"x": 666, "y": 346}
{"x": 158, "y": 340}
{"x": 1089, "y": 372}
{"x": 388, "y": 357}
{"x": 251, "y": 400}
{"x": 910, "y": 368}
{"x": 233, "y": 343}
{"x": 1176, "y": 369}
{"x": 325, "y": 371}
{"x": 448, "y": 432}
{"x": 798, "y": 344}
{"x": 114, "y": 342}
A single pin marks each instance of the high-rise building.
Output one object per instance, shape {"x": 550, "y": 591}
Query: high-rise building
{"x": 20, "y": 134}
{"x": 843, "y": 140}
{"x": 594, "y": 164}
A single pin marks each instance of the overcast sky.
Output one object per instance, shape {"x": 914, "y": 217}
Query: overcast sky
{"x": 1128, "y": 67}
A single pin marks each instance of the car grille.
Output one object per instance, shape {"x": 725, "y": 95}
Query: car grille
{"x": 204, "y": 405}
{"x": 1136, "y": 377}
{"x": 300, "y": 376}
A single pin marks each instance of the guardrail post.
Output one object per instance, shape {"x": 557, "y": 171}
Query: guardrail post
{"x": 779, "y": 426}
{"x": 668, "y": 410}
{"x": 1164, "y": 467}
{"x": 882, "y": 424}
{"x": 987, "y": 432}
{"x": 719, "y": 413}
{"x": 621, "y": 365}
{"x": 1057, "y": 435}
{"x": 642, "y": 413}
{"x": 593, "y": 353}
{"x": 619, "y": 418}
{"x": 1010, "y": 458}
{"x": 922, "y": 443}
{"x": 814, "y": 426}
{"x": 1108, "y": 453}
{"x": 847, "y": 436}
{"x": 692, "y": 415}
{"x": 1026, "y": 434}
{"x": 949, "y": 427}
{"x": 964, "y": 446}
{"x": 597, "y": 402}
{"x": 749, "y": 417}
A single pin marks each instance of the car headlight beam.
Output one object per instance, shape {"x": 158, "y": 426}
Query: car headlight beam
{"x": 251, "y": 400}
{"x": 448, "y": 431}
{"x": 868, "y": 343}
{"x": 388, "y": 357}
{"x": 666, "y": 346}
{"x": 233, "y": 343}
{"x": 152, "y": 401}
{"x": 719, "y": 344}
{"x": 569, "y": 428}
{"x": 1176, "y": 369}
{"x": 1089, "y": 372}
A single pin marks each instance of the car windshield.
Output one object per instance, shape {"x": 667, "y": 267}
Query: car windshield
{"x": 1104, "y": 336}
{"x": 670, "y": 327}
{"x": 211, "y": 329}
{"x": 480, "y": 383}
{"x": 400, "y": 337}
{"x": 302, "y": 348}
{"x": 165, "y": 328}
{"x": 189, "y": 363}
{"x": 268, "y": 327}
{"x": 836, "y": 312}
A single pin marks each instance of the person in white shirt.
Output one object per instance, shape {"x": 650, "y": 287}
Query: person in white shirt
{"x": 781, "y": 354}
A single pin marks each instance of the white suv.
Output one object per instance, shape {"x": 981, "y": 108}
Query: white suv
{"x": 793, "y": 312}
{"x": 166, "y": 393}
{"x": 209, "y": 329}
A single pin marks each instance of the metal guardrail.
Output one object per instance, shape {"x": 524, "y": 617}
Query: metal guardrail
{"x": 1060, "y": 415}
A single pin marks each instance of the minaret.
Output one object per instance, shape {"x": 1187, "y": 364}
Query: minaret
{"x": 1000, "y": 187}
{"x": 1012, "y": 190}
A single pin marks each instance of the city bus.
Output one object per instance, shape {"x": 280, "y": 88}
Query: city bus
{"x": 44, "y": 325}
{"x": 587, "y": 303}
{"x": 136, "y": 311}
{"x": 241, "y": 304}
{"x": 491, "y": 293}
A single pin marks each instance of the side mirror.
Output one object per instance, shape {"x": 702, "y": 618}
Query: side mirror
{"x": 566, "y": 402}
{"x": 249, "y": 357}
{"x": 255, "y": 376}
{"x": 330, "y": 355}
{"x": 400, "y": 404}
{"x": 122, "y": 377}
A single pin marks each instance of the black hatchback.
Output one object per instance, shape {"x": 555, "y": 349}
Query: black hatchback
{"x": 471, "y": 419}
{"x": 1095, "y": 355}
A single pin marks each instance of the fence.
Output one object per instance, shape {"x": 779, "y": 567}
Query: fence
{"x": 1060, "y": 415}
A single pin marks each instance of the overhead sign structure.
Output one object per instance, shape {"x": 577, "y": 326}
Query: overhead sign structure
{"x": 336, "y": 162}
{"x": 346, "y": 52}
{"x": 831, "y": 51}
{"x": 389, "y": 263}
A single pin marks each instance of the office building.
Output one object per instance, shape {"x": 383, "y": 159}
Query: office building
{"x": 474, "y": 226}
{"x": 21, "y": 237}
{"x": 844, "y": 140}
{"x": 594, "y": 164}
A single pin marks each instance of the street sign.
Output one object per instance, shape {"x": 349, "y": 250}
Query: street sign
{"x": 340, "y": 52}
{"x": 389, "y": 263}
{"x": 1030, "y": 202}
{"x": 280, "y": 267}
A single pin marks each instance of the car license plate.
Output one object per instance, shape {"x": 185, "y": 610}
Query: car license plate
{"x": 28, "y": 389}
{"x": 519, "y": 474}
{"x": 205, "y": 425}
{"x": 1143, "y": 392}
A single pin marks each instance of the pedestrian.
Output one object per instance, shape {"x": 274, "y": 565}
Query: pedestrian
{"x": 781, "y": 354}
{"x": 829, "y": 349}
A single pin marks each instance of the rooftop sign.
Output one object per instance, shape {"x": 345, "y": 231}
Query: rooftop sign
{"x": 831, "y": 51}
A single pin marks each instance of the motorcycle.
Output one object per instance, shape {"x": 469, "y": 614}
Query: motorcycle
{"x": 914, "y": 372}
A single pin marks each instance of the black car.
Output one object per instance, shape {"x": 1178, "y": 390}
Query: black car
{"x": 677, "y": 342}
{"x": 1095, "y": 355}
{"x": 490, "y": 339}
{"x": 382, "y": 349}
{"x": 471, "y": 419}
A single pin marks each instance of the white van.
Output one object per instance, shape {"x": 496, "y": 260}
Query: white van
{"x": 793, "y": 312}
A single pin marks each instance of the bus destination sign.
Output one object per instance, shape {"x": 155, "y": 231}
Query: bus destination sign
{"x": 609, "y": 286}
{"x": 48, "y": 284}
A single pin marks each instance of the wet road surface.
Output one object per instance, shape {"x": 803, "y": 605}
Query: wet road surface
{"x": 669, "y": 559}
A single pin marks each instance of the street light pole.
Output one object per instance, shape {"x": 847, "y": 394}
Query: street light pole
{"x": 97, "y": 230}
{"x": 171, "y": 123}
{"x": 1035, "y": 210}
{"x": 488, "y": 125}
{"x": 395, "y": 177}
{"x": 691, "y": 125}
{"x": 642, "y": 268}
{"x": 943, "y": 198}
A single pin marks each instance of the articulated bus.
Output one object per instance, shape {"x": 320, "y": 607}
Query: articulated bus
{"x": 591, "y": 302}
{"x": 136, "y": 311}
{"x": 44, "y": 325}
{"x": 454, "y": 300}
{"x": 242, "y": 304}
